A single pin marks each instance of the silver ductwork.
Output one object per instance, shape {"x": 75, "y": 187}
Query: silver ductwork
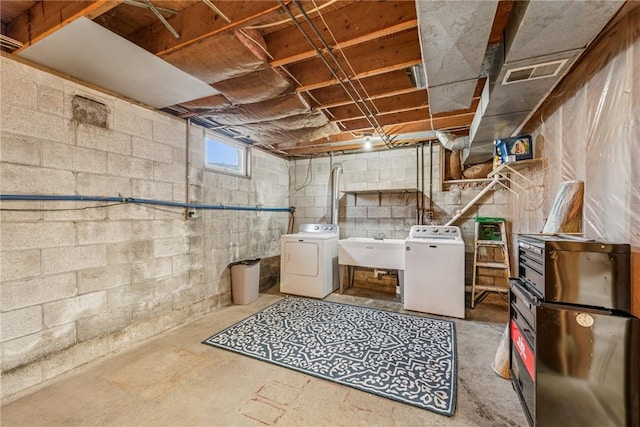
{"x": 452, "y": 142}
{"x": 453, "y": 39}
{"x": 541, "y": 42}
{"x": 335, "y": 192}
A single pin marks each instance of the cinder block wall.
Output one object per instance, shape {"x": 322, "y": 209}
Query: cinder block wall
{"x": 79, "y": 279}
{"x": 392, "y": 213}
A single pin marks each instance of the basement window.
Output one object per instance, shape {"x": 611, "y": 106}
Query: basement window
{"x": 224, "y": 155}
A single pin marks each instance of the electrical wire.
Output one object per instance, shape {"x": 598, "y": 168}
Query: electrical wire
{"x": 346, "y": 60}
{"x": 369, "y": 115}
{"x": 307, "y": 180}
{"x": 138, "y": 201}
{"x": 60, "y": 210}
{"x": 88, "y": 207}
{"x": 284, "y": 21}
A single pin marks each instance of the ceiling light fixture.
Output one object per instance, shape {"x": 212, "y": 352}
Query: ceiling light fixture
{"x": 367, "y": 142}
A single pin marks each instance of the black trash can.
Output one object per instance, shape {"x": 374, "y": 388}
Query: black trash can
{"x": 245, "y": 281}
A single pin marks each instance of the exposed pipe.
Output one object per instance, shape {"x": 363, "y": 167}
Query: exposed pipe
{"x": 134, "y": 200}
{"x": 335, "y": 192}
{"x": 422, "y": 185}
{"x": 216, "y": 10}
{"x": 369, "y": 117}
{"x": 430, "y": 179}
{"x": 418, "y": 184}
{"x": 452, "y": 142}
{"x": 144, "y": 6}
{"x": 187, "y": 178}
{"x": 162, "y": 19}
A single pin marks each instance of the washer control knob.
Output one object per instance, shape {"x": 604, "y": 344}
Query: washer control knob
{"x": 434, "y": 229}
{"x": 317, "y": 227}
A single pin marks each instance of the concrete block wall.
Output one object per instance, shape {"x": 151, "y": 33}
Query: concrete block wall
{"x": 366, "y": 213}
{"x": 82, "y": 279}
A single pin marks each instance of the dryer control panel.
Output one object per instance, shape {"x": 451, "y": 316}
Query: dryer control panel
{"x": 319, "y": 228}
{"x": 435, "y": 232}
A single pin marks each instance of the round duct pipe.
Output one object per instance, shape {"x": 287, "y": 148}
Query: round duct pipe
{"x": 451, "y": 142}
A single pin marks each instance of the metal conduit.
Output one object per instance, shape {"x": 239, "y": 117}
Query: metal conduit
{"x": 135, "y": 200}
{"x": 368, "y": 116}
{"x": 418, "y": 184}
{"x": 422, "y": 184}
{"x": 385, "y": 138}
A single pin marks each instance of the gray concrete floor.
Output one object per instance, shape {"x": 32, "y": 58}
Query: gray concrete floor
{"x": 174, "y": 380}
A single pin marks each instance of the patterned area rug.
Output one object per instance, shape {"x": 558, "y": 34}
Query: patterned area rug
{"x": 406, "y": 358}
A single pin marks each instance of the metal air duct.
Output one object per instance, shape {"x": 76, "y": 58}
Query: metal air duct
{"x": 451, "y": 142}
{"x": 541, "y": 42}
{"x": 453, "y": 39}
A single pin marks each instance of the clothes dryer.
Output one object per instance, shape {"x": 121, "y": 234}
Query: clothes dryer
{"x": 309, "y": 261}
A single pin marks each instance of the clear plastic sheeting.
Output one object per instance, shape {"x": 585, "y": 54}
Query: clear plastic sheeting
{"x": 589, "y": 130}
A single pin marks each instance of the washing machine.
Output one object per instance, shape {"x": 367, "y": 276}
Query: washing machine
{"x": 309, "y": 261}
{"x": 434, "y": 270}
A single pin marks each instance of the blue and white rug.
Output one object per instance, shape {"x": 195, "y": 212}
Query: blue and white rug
{"x": 406, "y": 358}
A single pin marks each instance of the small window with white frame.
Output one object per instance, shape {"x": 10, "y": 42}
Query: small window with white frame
{"x": 223, "y": 154}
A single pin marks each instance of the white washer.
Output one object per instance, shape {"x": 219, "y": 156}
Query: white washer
{"x": 309, "y": 261}
{"x": 434, "y": 270}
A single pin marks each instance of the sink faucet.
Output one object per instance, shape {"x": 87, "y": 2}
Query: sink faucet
{"x": 379, "y": 236}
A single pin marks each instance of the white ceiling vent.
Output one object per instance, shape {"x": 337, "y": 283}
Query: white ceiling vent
{"x": 533, "y": 72}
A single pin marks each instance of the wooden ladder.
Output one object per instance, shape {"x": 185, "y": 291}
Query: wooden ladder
{"x": 491, "y": 243}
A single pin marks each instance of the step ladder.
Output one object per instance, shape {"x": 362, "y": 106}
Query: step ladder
{"x": 491, "y": 252}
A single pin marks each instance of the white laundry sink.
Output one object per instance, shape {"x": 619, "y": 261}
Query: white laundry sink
{"x": 371, "y": 253}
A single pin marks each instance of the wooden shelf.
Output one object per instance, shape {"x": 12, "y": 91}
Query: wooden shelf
{"x": 380, "y": 192}
{"x": 466, "y": 181}
{"x": 513, "y": 166}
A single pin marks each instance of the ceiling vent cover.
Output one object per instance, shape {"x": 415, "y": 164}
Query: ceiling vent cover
{"x": 533, "y": 72}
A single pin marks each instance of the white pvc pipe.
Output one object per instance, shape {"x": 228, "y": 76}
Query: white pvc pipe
{"x": 335, "y": 192}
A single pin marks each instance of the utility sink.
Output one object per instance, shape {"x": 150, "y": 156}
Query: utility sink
{"x": 371, "y": 253}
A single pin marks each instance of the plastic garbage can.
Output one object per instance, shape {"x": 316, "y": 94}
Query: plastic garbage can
{"x": 245, "y": 281}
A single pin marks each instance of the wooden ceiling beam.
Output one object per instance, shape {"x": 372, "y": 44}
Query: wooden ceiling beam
{"x": 47, "y": 17}
{"x": 352, "y": 25}
{"x": 402, "y": 103}
{"x": 391, "y": 53}
{"x": 199, "y": 22}
{"x": 356, "y": 146}
{"x": 323, "y": 149}
{"x": 456, "y": 122}
{"x": 393, "y": 83}
{"x": 415, "y": 115}
{"x": 388, "y": 104}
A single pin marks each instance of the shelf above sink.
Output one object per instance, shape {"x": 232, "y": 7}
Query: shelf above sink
{"x": 381, "y": 191}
